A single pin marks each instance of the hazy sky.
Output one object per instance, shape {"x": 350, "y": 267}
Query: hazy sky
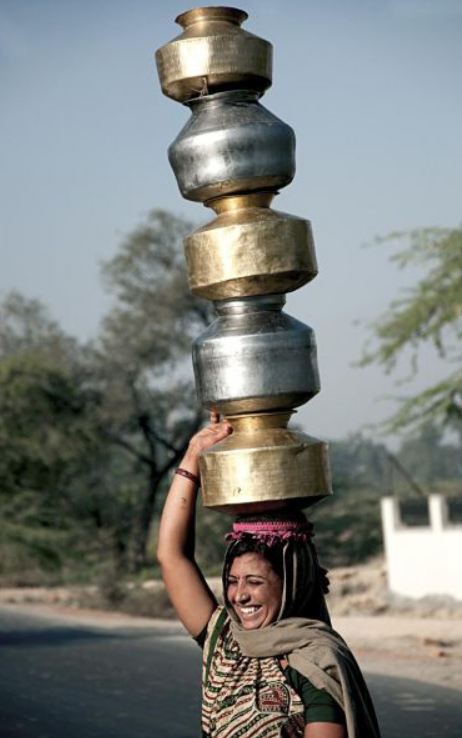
{"x": 371, "y": 87}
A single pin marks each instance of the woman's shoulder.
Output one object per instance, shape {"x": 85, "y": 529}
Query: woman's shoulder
{"x": 214, "y": 626}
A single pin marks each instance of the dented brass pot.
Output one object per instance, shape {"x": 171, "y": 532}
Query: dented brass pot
{"x": 264, "y": 465}
{"x": 249, "y": 249}
{"x": 255, "y": 358}
{"x": 213, "y": 53}
{"x": 231, "y": 144}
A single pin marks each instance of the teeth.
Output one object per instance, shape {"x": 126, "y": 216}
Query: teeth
{"x": 248, "y": 610}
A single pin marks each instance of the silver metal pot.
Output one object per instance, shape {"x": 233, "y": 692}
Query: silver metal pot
{"x": 231, "y": 144}
{"x": 255, "y": 358}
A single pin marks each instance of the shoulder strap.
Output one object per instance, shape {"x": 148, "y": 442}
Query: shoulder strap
{"x": 213, "y": 641}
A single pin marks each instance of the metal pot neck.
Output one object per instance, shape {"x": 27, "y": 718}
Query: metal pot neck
{"x": 224, "y": 96}
{"x": 230, "y": 203}
{"x": 210, "y": 15}
{"x": 245, "y": 305}
{"x": 259, "y": 421}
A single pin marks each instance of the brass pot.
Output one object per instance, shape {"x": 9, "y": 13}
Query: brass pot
{"x": 263, "y": 465}
{"x": 213, "y": 53}
{"x": 249, "y": 249}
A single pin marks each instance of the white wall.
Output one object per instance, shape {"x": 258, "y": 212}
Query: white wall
{"x": 422, "y": 560}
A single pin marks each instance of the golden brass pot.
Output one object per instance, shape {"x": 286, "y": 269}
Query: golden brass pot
{"x": 263, "y": 465}
{"x": 213, "y": 53}
{"x": 249, "y": 249}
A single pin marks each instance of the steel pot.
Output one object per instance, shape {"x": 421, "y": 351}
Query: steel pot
{"x": 255, "y": 358}
{"x": 263, "y": 465}
{"x": 212, "y": 53}
{"x": 249, "y": 249}
{"x": 231, "y": 144}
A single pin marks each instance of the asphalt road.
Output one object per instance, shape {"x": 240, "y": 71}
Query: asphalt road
{"x": 65, "y": 681}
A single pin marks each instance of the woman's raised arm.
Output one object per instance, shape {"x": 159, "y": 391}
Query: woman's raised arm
{"x": 185, "y": 583}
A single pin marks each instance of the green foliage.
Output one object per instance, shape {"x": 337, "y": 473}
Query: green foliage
{"x": 431, "y": 459}
{"x": 358, "y": 462}
{"x": 47, "y": 434}
{"x": 148, "y": 409}
{"x": 348, "y": 524}
{"x": 155, "y": 316}
{"x": 429, "y": 312}
{"x": 89, "y": 434}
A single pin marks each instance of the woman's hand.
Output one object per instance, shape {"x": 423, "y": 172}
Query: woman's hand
{"x": 206, "y": 438}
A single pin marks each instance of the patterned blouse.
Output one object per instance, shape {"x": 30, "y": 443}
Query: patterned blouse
{"x": 246, "y": 697}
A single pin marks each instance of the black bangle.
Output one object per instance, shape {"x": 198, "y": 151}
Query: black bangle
{"x": 189, "y": 475}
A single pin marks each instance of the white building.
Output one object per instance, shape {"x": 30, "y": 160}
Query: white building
{"x": 426, "y": 558}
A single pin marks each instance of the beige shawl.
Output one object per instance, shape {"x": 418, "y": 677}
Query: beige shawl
{"x": 320, "y": 654}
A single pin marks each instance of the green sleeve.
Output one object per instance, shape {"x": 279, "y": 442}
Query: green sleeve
{"x": 319, "y": 706}
{"x": 200, "y": 639}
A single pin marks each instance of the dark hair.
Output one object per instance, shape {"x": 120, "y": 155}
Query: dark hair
{"x": 248, "y": 544}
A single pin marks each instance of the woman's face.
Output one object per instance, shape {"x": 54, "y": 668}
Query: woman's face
{"x": 254, "y": 590}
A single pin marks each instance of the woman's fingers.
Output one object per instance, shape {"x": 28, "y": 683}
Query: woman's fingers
{"x": 221, "y": 428}
{"x": 211, "y": 434}
{"x": 214, "y": 433}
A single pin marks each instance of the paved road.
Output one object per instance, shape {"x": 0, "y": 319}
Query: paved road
{"x": 66, "y": 681}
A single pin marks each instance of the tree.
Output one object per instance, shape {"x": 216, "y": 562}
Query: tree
{"x": 347, "y": 526}
{"x": 26, "y": 327}
{"x": 148, "y": 406}
{"x": 431, "y": 460}
{"x": 429, "y": 312}
{"x": 47, "y": 434}
{"x": 90, "y": 434}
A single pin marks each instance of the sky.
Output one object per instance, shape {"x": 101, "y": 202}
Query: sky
{"x": 372, "y": 89}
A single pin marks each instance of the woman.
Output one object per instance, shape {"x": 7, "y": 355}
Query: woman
{"x": 272, "y": 664}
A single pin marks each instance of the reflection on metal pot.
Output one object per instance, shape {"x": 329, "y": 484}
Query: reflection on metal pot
{"x": 255, "y": 358}
{"x": 232, "y": 144}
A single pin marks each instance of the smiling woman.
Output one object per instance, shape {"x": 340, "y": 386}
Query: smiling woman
{"x": 273, "y": 667}
{"x": 254, "y": 590}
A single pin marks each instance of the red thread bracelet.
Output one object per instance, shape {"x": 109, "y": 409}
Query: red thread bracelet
{"x": 188, "y": 475}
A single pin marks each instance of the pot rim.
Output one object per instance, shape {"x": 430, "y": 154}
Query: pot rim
{"x": 210, "y": 14}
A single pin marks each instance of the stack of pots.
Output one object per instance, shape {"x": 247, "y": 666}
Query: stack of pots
{"x": 255, "y": 364}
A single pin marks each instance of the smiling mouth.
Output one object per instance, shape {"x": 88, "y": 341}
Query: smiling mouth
{"x": 247, "y": 613}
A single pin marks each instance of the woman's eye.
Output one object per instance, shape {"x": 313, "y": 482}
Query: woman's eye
{"x": 255, "y": 582}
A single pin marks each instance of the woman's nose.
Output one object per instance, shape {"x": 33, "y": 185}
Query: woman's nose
{"x": 242, "y": 594}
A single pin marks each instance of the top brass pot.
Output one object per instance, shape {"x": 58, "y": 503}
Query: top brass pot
{"x": 213, "y": 53}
